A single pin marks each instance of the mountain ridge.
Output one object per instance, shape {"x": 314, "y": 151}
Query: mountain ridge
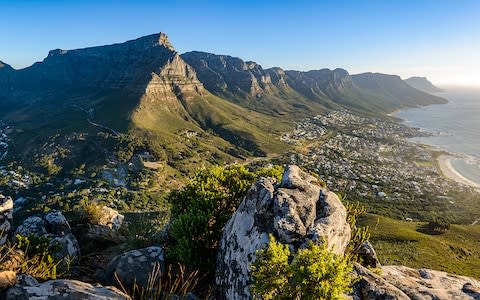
{"x": 145, "y": 88}
{"x": 422, "y": 84}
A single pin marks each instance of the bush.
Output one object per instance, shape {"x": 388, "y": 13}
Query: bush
{"x": 439, "y": 225}
{"x": 359, "y": 234}
{"x": 201, "y": 209}
{"x": 30, "y": 255}
{"x": 314, "y": 273}
{"x": 90, "y": 211}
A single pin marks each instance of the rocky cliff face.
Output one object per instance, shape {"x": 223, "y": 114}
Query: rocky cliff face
{"x": 231, "y": 76}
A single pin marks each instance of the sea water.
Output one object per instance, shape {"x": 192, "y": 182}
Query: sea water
{"x": 455, "y": 127}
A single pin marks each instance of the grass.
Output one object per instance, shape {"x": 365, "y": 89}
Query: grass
{"x": 399, "y": 242}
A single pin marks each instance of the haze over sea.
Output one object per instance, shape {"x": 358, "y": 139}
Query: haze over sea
{"x": 456, "y": 128}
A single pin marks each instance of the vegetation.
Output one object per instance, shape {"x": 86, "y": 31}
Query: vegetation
{"x": 360, "y": 234}
{"x": 312, "y": 273}
{"x": 178, "y": 282}
{"x": 404, "y": 243}
{"x": 29, "y": 255}
{"x": 201, "y": 209}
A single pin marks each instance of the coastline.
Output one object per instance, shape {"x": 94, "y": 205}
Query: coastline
{"x": 449, "y": 171}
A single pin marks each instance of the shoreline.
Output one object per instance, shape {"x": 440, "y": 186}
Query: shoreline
{"x": 449, "y": 171}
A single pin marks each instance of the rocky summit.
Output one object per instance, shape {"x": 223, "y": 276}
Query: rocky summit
{"x": 295, "y": 210}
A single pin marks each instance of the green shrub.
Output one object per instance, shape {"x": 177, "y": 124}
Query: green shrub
{"x": 359, "y": 234}
{"x": 30, "y": 255}
{"x": 201, "y": 209}
{"x": 314, "y": 273}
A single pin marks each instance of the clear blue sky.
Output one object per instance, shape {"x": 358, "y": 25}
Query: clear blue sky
{"x": 438, "y": 38}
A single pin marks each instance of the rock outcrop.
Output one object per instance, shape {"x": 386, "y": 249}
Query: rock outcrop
{"x": 6, "y": 215}
{"x": 134, "y": 266}
{"x": 64, "y": 289}
{"x": 400, "y": 282}
{"x": 55, "y": 227}
{"x": 295, "y": 210}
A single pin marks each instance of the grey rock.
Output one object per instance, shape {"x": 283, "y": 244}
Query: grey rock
{"x": 400, "y": 282}
{"x": 63, "y": 290}
{"x": 32, "y": 226}
{"x": 26, "y": 280}
{"x": 367, "y": 254}
{"x": 55, "y": 227}
{"x": 6, "y": 216}
{"x": 56, "y": 223}
{"x": 110, "y": 218}
{"x": 134, "y": 266}
{"x": 295, "y": 211}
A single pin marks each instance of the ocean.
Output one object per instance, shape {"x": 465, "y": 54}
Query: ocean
{"x": 455, "y": 127}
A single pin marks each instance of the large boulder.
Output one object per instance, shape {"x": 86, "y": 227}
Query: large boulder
{"x": 134, "y": 266}
{"x": 55, "y": 227}
{"x": 100, "y": 232}
{"x": 64, "y": 289}
{"x": 110, "y": 218}
{"x": 400, "y": 282}
{"x": 6, "y": 215}
{"x": 295, "y": 210}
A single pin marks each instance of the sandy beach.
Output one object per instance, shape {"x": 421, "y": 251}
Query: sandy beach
{"x": 449, "y": 172}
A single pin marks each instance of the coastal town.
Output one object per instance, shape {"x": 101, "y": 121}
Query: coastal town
{"x": 371, "y": 160}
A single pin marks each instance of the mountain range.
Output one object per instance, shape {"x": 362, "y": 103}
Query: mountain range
{"x": 145, "y": 88}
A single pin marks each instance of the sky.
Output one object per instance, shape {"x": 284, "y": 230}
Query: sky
{"x": 439, "y": 39}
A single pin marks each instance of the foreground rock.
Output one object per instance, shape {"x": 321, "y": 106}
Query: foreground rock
{"x": 6, "y": 215}
{"x": 295, "y": 210}
{"x": 134, "y": 267}
{"x": 55, "y": 227}
{"x": 399, "y": 282}
{"x": 64, "y": 289}
{"x": 100, "y": 233}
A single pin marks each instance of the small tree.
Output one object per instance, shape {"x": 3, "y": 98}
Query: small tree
{"x": 314, "y": 273}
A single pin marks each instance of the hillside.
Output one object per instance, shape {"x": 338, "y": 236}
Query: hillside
{"x": 142, "y": 88}
{"x": 276, "y": 91}
{"x": 422, "y": 84}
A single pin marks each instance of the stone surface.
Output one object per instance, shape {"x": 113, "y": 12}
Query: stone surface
{"x": 7, "y": 279}
{"x": 63, "y": 290}
{"x": 367, "y": 254}
{"x": 110, "y": 218}
{"x": 6, "y": 216}
{"x": 400, "y": 282}
{"x": 55, "y": 227}
{"x": 134, "y": 266}
{"x": 295, "y": 211}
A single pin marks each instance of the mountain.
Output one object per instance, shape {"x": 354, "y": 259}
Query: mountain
{"x": 422, "y": 84}
{"x": 295, "y": 93}
{"x": 191, "y": 108}
{"x": 141, "y": 87}
{"x": 249, "y": 85}
{"x": 392, "y": 91}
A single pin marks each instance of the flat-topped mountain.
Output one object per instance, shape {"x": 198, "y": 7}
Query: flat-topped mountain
{"x": 144, "y": 88}
{"x": 141, "y": 87}
{"x": 422, "y": 84}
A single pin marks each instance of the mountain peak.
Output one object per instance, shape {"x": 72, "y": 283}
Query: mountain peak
{"x": 154, "y": 40}
{"x": 5, "y": 66}
{"x": 422, "y": 84}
